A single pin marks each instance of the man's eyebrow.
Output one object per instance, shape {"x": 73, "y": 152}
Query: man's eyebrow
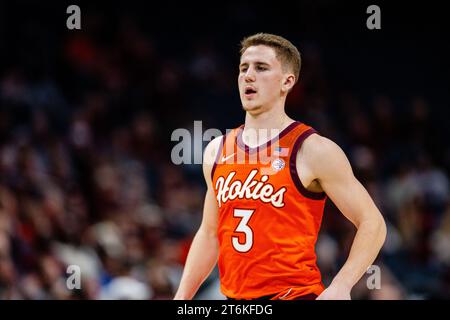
{"x": 256, "y": 62}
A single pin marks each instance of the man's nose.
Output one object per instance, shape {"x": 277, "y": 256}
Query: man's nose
{"x": 249, "y": 75}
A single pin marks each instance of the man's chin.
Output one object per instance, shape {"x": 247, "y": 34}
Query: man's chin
{"x": 252, "y": 109}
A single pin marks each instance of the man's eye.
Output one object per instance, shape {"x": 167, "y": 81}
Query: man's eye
{"x": 244, "y": 70}
{"x": 261, "y": 68}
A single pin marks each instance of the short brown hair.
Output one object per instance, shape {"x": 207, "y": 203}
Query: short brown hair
{"x": 285, "y": 51}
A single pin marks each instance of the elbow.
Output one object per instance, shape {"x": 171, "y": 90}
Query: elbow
{"x": 208, "y": 232}
{"x": 376, "y": 227}
{"x": 382, "y": 230}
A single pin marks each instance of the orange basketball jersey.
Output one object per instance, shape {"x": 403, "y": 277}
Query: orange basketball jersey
{"x": 268, "y": 221}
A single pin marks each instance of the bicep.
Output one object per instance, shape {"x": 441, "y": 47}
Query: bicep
{"x": 210, "y": 213}
{"x": 350, "y": 197}
{"x": 210, "y": 207}
{"x": 335, "y": 175}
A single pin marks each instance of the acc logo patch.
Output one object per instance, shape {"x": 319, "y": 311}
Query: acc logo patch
{"x": 278, "y": 164}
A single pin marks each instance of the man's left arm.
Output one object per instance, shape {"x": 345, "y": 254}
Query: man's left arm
{"x": 332, "y": 170}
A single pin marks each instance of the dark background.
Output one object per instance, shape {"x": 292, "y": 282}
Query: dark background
{"x": 86, "y": 118}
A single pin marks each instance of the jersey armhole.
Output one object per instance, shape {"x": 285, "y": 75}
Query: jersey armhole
{"x": 219, "y": 153}
{"x": 293, "y": 168}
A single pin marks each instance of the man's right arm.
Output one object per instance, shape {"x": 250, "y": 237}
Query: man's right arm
{"x": 204, "y": 250}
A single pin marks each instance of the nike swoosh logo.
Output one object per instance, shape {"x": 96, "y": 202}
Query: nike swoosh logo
{"x": 285, "y": 295}
{"x": 228, "y": 157}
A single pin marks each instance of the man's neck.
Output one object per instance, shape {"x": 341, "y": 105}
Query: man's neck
{"x": 266, "y": 125}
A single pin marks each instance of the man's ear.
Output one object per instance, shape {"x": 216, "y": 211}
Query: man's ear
{"x": 288, "y": 82}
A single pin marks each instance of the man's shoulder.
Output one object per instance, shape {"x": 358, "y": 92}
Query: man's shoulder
{"x": 211, "y": 150}
{"x": 317, "y": 149}
{"x": 321, "y": 153}
{"x": 214, "y": 143}
{"x": 318, "y": 144}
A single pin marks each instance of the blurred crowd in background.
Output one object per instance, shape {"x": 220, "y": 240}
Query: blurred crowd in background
{"x": 86, "y": 119}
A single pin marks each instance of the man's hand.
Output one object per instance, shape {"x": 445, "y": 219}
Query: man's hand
{"x": 335, "y": 292}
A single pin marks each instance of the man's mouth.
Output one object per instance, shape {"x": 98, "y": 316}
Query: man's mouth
{"x": 249, "y": 91}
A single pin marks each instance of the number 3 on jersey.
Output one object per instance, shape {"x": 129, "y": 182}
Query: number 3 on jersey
{"x": 245, "y": 215}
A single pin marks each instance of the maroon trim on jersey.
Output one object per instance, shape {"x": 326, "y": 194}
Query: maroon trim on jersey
{"x": 243, "y": 146}
{"x": 310, "y": 296}
{"x": 294, "y": 172}
{"x": 219, "y": 153}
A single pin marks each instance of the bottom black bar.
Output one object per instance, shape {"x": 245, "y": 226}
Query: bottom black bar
{"x": 207, "y": 309}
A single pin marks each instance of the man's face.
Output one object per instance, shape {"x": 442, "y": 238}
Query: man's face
{"x": 260, "y": 79}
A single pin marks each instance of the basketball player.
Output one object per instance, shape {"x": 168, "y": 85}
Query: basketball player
{"x": 261, "y": 218}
